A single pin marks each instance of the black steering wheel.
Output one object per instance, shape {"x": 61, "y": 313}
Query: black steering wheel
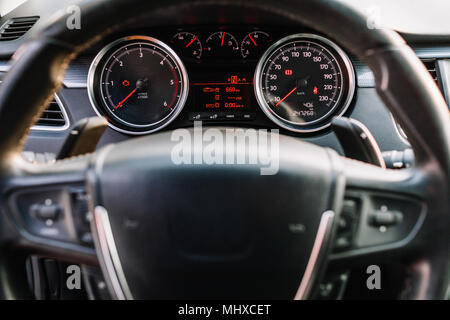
{"x": 213, "y": 231}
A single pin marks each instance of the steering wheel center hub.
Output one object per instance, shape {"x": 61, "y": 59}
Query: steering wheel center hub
{"x": 188, "y": 231}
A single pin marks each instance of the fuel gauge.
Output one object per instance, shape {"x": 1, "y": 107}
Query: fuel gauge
{"x": 222, "y": 45}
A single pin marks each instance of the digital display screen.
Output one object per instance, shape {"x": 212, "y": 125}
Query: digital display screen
{"x": 227, "y": 92}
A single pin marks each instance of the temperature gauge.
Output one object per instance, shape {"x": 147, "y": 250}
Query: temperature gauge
{"x": 187, "y": 45}
{"x": 254, "y": 44}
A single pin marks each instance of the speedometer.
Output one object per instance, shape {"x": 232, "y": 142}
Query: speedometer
{"x": 302, "y": 81}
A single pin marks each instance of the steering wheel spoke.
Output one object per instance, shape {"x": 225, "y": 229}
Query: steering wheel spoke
{"x": 392, "y": 218}
{"x": 46, "y": 210}
{"x": 382, "y": 215}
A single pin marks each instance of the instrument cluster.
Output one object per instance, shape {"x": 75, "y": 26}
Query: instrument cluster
{"x": 259, "y": 77}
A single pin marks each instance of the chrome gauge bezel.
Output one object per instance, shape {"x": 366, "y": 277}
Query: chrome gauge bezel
{"x": 338, "y": 110}
{"x": 94, "y": 85}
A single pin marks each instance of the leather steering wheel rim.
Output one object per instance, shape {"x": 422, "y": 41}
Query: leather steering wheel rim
{"x": 402, "y": 82}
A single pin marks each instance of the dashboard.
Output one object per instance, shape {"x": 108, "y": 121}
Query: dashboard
{"x": 225, "y": 68}
{"x": 299, "y": 81}
{"x": 229, "y": 68}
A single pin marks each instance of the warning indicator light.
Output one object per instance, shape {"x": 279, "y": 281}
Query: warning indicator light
{"x": 315, "y": 90}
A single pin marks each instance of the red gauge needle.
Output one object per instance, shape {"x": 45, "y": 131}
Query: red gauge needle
{"x": 126, "y": 98}
{"x": 223, "y": 37}
{"x": 191, "y": 42}
{"x": 251, "y": 38}
{"x": 290, "y": 92}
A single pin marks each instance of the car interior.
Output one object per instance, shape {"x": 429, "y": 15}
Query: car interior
{"x": 117, "y": 177}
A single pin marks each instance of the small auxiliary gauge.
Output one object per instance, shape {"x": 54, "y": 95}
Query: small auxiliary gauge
{"x": 222, "y": 45}
{"x": 187, "y": 44}
{"x": 254, "y": 44}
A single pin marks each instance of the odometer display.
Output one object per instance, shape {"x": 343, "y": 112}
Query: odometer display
{"x": 302, "y": 81}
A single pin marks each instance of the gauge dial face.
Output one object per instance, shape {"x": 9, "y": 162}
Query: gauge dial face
{"x": 222, "y": 45}
{"x": 139, "y": 83}
{"x": 254, "y": 44}
{"x": 187, "y": 45}
{"x": 303, "y": 81}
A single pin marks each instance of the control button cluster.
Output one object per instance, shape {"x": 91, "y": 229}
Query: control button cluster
{"x": 82, "y": 216}
{"x": 370, "y": 219}
{"x": 399, "y": 159}
{"x": 56, "y": 213}
{"x": 221, "y": 116}
{"x": 385, "y": 217}
{"x": 333, "y": 286}
{"x": 347, "y": 224}
{"x": 46, "y": 211}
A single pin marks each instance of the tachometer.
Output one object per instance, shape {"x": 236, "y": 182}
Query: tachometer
{"x": 302, "y": 81}
{"x": 139, "y": 83}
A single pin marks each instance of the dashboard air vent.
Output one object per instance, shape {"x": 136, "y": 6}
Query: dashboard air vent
{"x": 16, "y": 27}
{"x": 53, "y": 118}
{"x": 430, "y": 64}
